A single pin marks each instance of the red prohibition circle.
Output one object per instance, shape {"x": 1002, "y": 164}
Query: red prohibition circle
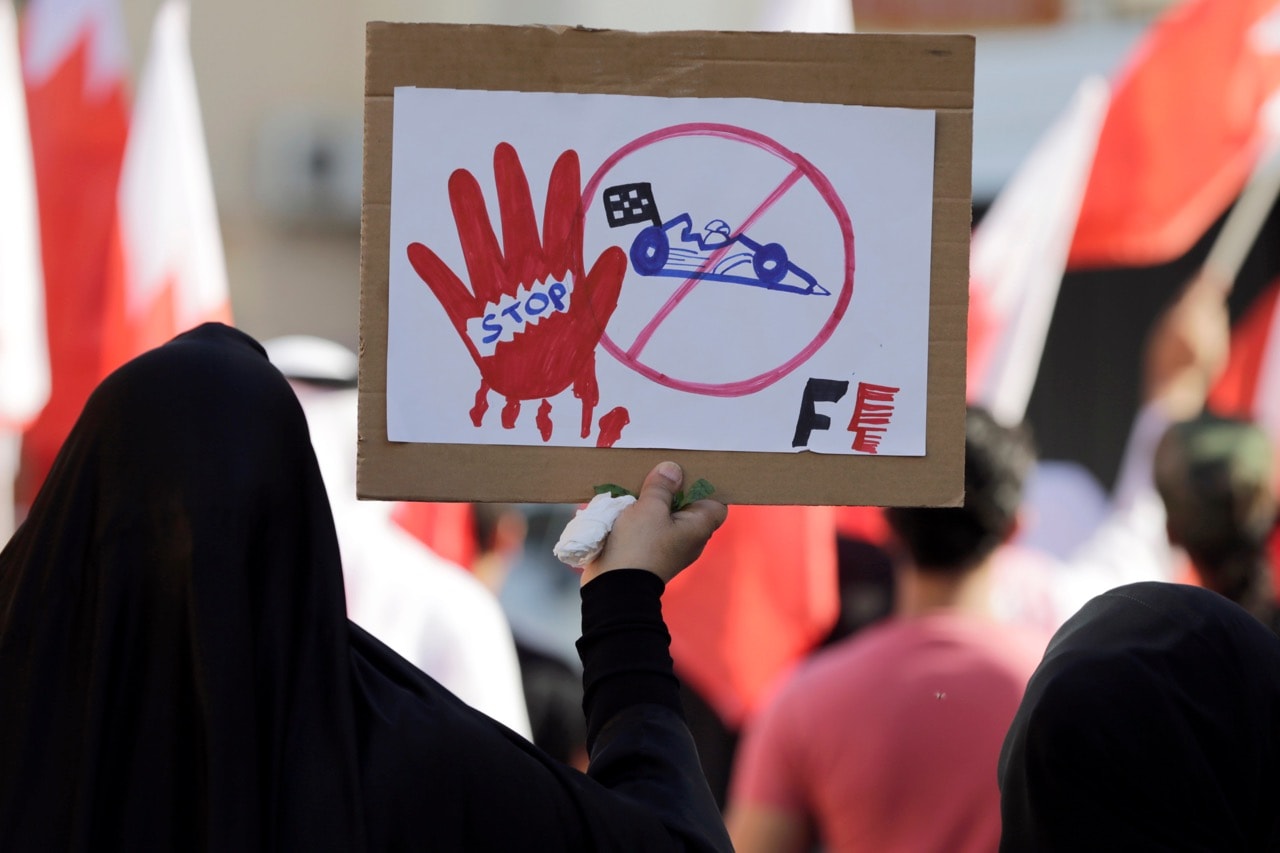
{"x": 803, "y": 168}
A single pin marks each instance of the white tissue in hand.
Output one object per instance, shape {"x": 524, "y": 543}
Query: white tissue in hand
{"x": 584, "y": 535}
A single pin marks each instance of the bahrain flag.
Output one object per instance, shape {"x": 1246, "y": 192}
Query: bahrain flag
{"x": 74, "y": 61}
{"x": 1191, "y": 114}
{"x": 167, "y": 272}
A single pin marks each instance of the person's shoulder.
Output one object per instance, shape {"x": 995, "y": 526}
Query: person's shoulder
{"x": 1009, "y": 645}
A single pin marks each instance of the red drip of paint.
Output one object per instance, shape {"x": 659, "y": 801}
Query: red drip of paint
{"x": 611, "y": 426}
{"x": 481, "y": 406}
{"x": 544, "y": 420}
{"x": 510, "y": 412}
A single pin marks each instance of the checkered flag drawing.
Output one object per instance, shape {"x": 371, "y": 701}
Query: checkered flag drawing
{"x": 627, "y": 204}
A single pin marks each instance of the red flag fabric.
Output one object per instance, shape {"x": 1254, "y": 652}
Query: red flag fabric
{"x": 863, "y": 522}
{"x": 1241, "y": 390}
{"x": 74, "y": 61}
{"x": 167, "y": 272}
{"x": 1187, "y": 124}
{"x": 762, "y": 594}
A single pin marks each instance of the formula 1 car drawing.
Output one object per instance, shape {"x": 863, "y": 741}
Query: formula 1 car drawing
{"x": 674, "y": 249}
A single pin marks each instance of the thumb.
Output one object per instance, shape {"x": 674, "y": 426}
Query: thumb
{"x": 661, "y": 485}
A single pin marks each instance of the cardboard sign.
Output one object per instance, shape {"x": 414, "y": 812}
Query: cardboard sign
{"x": 587, "y": 251}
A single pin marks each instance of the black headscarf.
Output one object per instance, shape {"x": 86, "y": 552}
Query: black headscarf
{"x": 177, "y": 671}
{"x": 1153, "y": 723}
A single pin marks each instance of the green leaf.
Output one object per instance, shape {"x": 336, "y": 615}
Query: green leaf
{"x": 613, "y": 490}
{"x": 699, "y": 490}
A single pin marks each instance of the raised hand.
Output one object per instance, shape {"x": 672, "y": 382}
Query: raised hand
{"x": 649, "y": 535}
{"x": 532, "y": 318}
{"x": 1187, "y": 347}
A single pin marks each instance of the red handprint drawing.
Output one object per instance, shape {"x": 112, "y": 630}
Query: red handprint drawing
{"x": 532, "y": 318}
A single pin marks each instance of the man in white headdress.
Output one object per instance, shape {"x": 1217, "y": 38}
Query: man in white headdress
{"x": 433, "y": 612}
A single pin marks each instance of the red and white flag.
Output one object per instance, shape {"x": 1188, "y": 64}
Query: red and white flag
{"x": 74, "y": 64}
{"x": 168, "y": 272}
{"x": 24, "y": 354}
{"x": 1018, "y": 256}
{"x": 1188, "y": 121}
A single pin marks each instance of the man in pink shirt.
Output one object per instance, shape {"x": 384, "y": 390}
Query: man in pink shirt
{"x": 889, "y": 741}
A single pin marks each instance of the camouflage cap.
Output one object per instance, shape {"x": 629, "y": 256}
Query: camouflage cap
{"x": 1216, "y": 478}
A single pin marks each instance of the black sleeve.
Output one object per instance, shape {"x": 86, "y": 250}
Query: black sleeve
{"x": 639, "y": 744}
{"x": 438, "y": 773}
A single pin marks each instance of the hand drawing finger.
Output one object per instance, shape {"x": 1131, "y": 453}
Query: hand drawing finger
{"x": 475, "y": 233}
{"x": 601, "y": 287}
{"x": 457, "y": 301}
{"x": 562, "y": 219}
{"x": 522, "y": 251}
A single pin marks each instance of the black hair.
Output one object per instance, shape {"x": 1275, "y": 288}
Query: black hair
{"x": 1214, "y": 476}
{"x": 997, "y": 460}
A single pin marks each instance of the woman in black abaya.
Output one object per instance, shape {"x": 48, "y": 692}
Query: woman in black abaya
{"x": 177, "y": 671}
{"x": 1153, "y": 723}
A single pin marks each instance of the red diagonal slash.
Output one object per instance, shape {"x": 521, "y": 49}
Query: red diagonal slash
{"x": 642, "y": 339}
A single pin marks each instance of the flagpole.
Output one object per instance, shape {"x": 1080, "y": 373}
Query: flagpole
{"x": 10, "y": 454}
{"x": 1246, "y": 219}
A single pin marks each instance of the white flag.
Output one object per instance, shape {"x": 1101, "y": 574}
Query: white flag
{"x": 1019, "y": 254}
{"x": 24, "y": 355}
